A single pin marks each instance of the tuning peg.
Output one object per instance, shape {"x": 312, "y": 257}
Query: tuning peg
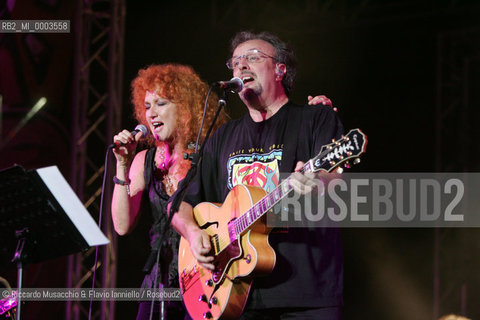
{"x": 333, "y": 139}
{"x": 207, "y": 315}
{"x": 356, "y": 161}
{"x": 339, "y": 170}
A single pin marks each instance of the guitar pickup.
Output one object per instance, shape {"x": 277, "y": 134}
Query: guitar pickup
{"x": 215, "y": 244}
{"x": 231, "y": 231}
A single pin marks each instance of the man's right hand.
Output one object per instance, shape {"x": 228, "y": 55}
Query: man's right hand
{"x": 199, "y": 240}
{"x": 200, "y": 245}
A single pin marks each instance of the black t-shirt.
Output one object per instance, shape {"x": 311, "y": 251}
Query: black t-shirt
{"x": 309, "y": 266}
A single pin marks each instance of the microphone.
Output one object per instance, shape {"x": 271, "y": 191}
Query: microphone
{"x": 235, "y": 85}
{"x": 139, "y": 128}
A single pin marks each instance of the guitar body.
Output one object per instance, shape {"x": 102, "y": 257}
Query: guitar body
{"x": 222, "y": 294}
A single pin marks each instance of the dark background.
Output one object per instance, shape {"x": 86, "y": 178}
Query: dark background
{"x": 379, "y": 63}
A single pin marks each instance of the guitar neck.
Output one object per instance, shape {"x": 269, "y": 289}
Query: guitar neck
{"x": 247, "y": 219}
{"x": 330, "y": 157}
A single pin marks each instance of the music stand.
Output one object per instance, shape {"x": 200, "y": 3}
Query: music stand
{"x": 41, "y": 218}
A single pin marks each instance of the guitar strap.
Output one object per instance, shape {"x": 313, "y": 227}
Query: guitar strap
{"x": 291, "y": 144}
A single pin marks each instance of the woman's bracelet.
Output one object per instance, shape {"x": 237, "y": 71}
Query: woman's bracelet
{"x": 122, "y": 183}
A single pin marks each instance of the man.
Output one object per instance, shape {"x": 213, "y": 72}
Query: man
{"x": 274, "y": 136}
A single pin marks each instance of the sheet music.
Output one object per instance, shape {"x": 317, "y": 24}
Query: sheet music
{"x": 74, "y": 208}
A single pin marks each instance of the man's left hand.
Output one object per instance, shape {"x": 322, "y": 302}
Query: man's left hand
{"x": 302, "y": 183}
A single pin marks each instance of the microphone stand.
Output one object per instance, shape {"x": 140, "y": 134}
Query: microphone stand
{"x": 195, "y": 159}
{"x": 179, "y": 195}
{"x": 19, "y": 258}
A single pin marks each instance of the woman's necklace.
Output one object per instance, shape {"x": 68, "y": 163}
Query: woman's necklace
{"x": 168, "y": 179}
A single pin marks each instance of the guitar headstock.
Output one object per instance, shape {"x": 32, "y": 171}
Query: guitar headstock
{"x": 339, "y": 153}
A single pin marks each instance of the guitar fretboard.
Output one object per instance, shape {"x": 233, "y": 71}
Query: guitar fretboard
{"x": 246, "y": 220}
{"x": 243, "y": 222}
{"x": 330, "y": 156}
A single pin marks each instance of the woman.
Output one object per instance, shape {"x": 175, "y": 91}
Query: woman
{"x": 169, "y": 100}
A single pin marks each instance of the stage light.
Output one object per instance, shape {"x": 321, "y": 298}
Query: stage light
{"x": 37, "y": 107}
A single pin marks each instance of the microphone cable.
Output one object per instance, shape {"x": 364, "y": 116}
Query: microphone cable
{"x": 100, "y": 216}
{"x": 203, "y": 119}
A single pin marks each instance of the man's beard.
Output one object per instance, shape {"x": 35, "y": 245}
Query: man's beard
{"x": 251, "y": 94}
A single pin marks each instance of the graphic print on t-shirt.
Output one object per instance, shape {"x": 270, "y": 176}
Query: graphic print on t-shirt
{"x": 255, "y": 169}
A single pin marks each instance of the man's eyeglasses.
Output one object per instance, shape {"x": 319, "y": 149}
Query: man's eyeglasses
{"x": 252, "y": 56}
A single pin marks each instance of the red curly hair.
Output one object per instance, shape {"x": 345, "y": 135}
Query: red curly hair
{"x": 182, "y": 86}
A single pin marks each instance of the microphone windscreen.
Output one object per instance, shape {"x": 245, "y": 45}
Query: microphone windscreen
{"x": 142, "y": 128}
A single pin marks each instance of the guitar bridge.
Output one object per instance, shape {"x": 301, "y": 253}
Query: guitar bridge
{"x": 187, "y": 279}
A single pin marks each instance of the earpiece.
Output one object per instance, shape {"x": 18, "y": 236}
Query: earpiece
{"x": 279, "y": 71}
